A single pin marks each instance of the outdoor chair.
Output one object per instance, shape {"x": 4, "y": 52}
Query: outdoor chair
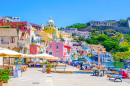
{"x": 60, "y": 67}
{"x": 37, "y": 65}
{"x": 32, "y": 65}
{"x": 116, "y": 75}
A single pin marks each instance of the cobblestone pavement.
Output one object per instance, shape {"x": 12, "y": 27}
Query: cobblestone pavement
{"x": 34, "y": 77}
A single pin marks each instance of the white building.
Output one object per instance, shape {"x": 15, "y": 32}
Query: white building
{"x": 69, "y": 30}
{"x": 11, "y": 19}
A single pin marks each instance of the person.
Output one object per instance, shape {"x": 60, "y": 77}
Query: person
{"x": 81, "y": 64}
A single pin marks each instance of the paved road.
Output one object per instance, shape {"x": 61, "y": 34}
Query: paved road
{"x": 34, "y": 77}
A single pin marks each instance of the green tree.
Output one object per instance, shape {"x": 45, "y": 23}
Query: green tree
{"x": 119, "y": 55}
{"x": 88, "y": 41}
{"x": 88, "y": 24}
{"x": 101, "y": 38}
{"x": 59, "y": 29}
{"x": 123, "y": 23}
{"x": 95, "y": 41}
{"x": 111, "y": 46}
{"x": 77, "y": 25}
{"x": 123, "y": 49}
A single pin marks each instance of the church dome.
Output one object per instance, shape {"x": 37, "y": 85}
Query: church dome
{"x": 50, "y": 21}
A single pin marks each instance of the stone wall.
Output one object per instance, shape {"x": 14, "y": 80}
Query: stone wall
{"x": 123, "y": 30}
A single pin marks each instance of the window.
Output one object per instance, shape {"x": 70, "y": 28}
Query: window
{"x": 50, "y": 53}
{"x": 46, "y": 51}
{"x": 57, "y": 46}
{"x": 50, "y": 46}
{"x": 12, "y": 40}
{"x": 32, "y": 39}
{"x": 25, "y": 28}
{"x": 51, "y": 25}
{"x": 17, "y": 18}
{"x": 57, "y": 54}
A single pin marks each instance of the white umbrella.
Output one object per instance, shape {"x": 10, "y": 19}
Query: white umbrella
{"x": 45, "y": 56}
{"x": 7, "y": 52}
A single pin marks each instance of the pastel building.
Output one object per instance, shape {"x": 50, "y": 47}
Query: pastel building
{"x": 69, "y": 30}
{"x": 11, "y": 19}
{"x": 82, "y": 34}
{"x": 52, "y": 29}
{"x": 67, "y": 52}
{"x": 55, "y": 49}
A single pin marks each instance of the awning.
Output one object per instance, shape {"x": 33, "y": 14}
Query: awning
{"x": 44, "y": 56}
{"x": 9, "y": 53}
{"x": 16, "y": 49}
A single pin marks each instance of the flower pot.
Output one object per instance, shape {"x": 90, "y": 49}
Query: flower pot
{"x": 48, "y": 70}
{"x": 1, "y": 83}
{"x": 47, "y": 67}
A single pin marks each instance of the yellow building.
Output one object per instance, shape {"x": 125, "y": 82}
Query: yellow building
{"x": 45, "y": 36}
{"x": 67, "y": 35}
{"x": 51, "y": 28}
{"x": 61, "y": 33}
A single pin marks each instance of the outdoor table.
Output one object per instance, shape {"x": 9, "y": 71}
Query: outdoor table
{"x": 98, "y": 71}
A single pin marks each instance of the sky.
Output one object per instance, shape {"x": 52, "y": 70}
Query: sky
{"x": 65, "y": 12}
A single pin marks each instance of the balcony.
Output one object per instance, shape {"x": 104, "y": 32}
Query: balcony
{"x": 25, "y": 43}
{"x": 34, "y": 42}
{"x": 11, "y": 45}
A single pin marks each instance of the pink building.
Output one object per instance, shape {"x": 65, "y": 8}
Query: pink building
{"x": 67, "y": 52}
{"x": 34, "y": 49}
{"x": 55, "y": 49}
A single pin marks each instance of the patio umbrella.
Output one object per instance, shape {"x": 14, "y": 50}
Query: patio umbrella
{"x": 44, "y": 55}
{"x": 8, "y": 53}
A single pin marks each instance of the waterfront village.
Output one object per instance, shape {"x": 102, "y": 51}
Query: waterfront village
{"x": 81, "y": 54}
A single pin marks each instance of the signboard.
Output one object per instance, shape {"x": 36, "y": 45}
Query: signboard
{"x": 5, "y": 57}
{"x": 15, "y": 72}
{"x": 19, "y": 71}
{"x": 44, "y": 69}
{"x": 20, "y": 61}
{"x": 1, "y": 61}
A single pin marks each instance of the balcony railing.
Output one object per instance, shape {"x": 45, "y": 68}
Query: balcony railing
{"x": 11, "y": 45}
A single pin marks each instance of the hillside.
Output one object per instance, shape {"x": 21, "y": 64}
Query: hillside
{"x": 78, "y": 25}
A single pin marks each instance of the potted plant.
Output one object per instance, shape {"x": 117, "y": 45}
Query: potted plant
{"x": 6, "y": 75}
{"x": 1, "y": 77}
{"x": 1, "y": 81}
{"x": 48, "y": 70}
{"x": 6, "y": 78}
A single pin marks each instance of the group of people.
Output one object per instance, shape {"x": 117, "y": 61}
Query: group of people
{"x": 86, "y": 64}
